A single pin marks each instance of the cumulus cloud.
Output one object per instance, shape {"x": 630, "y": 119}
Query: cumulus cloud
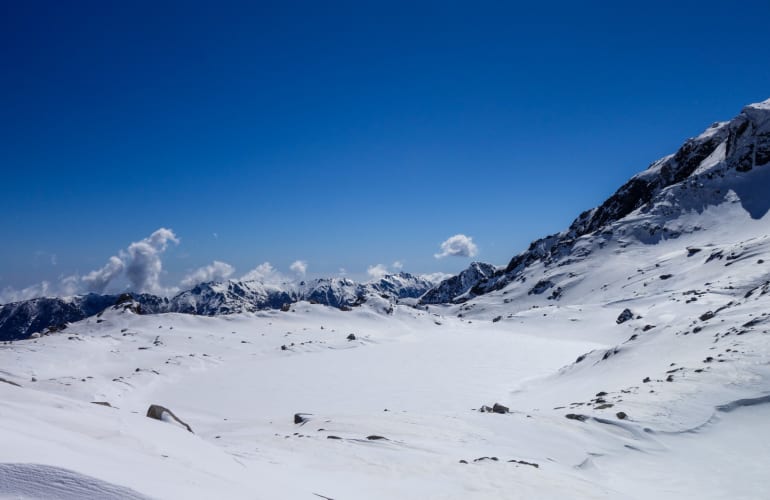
{"x": 144, "y": 265}
{"x": 96, "y": 281}
{"x": 397, "y": 265}
{"x": 458, "y": 245}
{"x": 264, "y": 273}
{"x": 140, "y": 263}
{"x": 9, "y": 294}
{"x": 299, "y": 267}
{"x": 216, "y": 271}
{"x": 377, "y": 271}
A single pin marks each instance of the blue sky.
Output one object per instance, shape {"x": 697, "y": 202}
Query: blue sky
{"x": 339, "y": 134}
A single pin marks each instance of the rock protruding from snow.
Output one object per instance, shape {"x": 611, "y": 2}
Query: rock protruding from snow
{"x": 624, "y": 316}
{"x": 163, "y": 414}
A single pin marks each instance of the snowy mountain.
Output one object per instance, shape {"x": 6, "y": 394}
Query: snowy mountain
{"x": 454, "y": 289}
{"x": 723, "y": 164}
{"x": 626, "y": 357}
{"x": 21, "y": 319}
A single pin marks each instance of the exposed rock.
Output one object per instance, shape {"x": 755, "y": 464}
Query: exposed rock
{"x": 9, "y": 382}
{"x": 498, "y": 408}
{"x": 576, "y": 416}
{"x": 161, "y": 413}
{"x": 624, "y": 316}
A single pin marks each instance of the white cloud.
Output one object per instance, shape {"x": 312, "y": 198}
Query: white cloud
{"x": 397, "y": 265}
{"x": 140, "y": 263}
{"x": 96, "y": 281}
{"x": 377, "y": 271}
{"x": 8, "y": 294}
{"x": 299, "y": 267}
{"x": 216, "y": 271}
{"x": 144, "y": 266}
{"x": 264, "y": 273}
{"x": 458, "y": 245}
{"x": 343, "y": 272}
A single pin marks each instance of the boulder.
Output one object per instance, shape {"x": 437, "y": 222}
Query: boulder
{"x": 163, "y": 414}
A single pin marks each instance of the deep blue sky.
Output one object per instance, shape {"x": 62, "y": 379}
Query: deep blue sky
{"x": 341, "y": 134}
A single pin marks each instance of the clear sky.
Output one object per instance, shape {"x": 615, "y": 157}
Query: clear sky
{"x": 343, "y": 134}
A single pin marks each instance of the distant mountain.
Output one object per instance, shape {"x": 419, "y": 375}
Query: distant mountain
{"x": 20, "y": 319}
{"x": 455, "y": 289}
{"x": 729, "y": 157}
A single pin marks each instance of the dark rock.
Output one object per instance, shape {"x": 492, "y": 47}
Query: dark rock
{"x": 523, "y": 462}
{"x": 707, "y": 315}
{"x": 624, "y": 316}
{"x": 498, "y": 408}
{"x": 375, "y": 437}
{"x": 540, "y": 287}
{"x": 351, "y": 337}
{"x": 299, "y": 418}
{"x": 576, "y": 416}
{"x": 621, "y": 415}
{"x": 333, "y": 437}
{"x": 9, "y": 382}
{"x": 157, "y": 412}
{"x": 646, "y": 379}
{"x": 101, "y": 403}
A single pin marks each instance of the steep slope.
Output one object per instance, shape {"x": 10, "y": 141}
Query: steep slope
{"x": 728, "y": 162}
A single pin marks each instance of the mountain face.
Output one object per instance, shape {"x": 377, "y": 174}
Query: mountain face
{"x": 728, "y": 162}
{"x": 454, "y": 289}
{"x": 212, "y": 299}
{"x": 21, "y": 319}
